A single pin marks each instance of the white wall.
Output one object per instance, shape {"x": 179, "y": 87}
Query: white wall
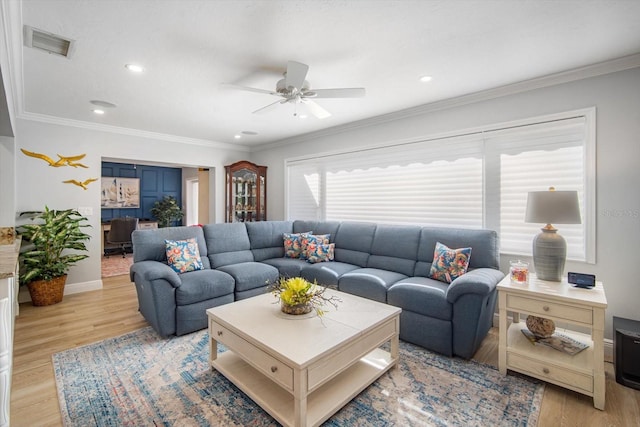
{"x": 38, "y": 184}
{"x": 616, "y": 97}
{"x": 7, "y": 181}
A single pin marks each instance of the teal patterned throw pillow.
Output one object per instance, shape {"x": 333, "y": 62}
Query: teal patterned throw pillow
{"x": 183, "y": 255}
{"x": 313, "y": 239}
{"x": 449, "y": 264}
{"x": 293, "y": 244}
{"x": 320, "y": 252}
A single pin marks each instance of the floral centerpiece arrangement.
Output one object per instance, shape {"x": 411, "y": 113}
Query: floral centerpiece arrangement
{"x": 299, "y": 296}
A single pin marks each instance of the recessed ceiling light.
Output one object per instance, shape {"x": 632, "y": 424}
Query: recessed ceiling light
{"x": 99, "y": 112}
{"x": 103, "y": 104}
{"x": 134, "y": 68}
{"x": 302, "y": 116}
{"x": 237, "y": 136}
{"x": 425, "y": 79}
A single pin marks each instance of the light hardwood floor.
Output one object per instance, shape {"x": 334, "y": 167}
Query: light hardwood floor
{"x": 93, "y": 316}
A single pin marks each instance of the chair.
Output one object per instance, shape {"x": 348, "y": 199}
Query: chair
{"x": 120, "y": 233}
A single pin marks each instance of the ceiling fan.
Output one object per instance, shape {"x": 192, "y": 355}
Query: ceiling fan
{"x": 294, "y": 89}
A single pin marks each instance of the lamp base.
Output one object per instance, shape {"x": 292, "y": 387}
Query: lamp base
{"x": 549, "y": 254}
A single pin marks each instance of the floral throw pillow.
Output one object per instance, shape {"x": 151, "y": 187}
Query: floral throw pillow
{"x": 293, "y": 244}
{"x": 309, "y": 239}
{"x": 449, "y": 264}
{"x": 320, "y": 252}
{"x": 183, "y": 255}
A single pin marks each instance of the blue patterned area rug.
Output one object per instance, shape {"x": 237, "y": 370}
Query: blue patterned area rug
{"x": 140, "y": 379}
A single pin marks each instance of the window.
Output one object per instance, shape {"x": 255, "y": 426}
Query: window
{"x": 479, "y": 179}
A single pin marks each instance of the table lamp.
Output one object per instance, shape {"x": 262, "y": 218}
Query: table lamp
{"x": 549, "y": 247}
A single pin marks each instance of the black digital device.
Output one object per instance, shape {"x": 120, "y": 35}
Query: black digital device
{"x": 581, "y": 280}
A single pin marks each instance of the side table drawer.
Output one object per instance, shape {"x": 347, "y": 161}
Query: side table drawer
{"x": 270, "y": 366}
{"x": 550, "y": 372}
{"x": 547, "y": 308}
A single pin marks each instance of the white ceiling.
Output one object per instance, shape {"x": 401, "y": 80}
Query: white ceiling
{"x": 190, "y": 47}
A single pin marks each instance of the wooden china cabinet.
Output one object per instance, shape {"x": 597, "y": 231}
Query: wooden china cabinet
{"x": 246, "y": 196}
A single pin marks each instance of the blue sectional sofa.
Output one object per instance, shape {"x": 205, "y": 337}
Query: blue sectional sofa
{"x": 386, "y": 263}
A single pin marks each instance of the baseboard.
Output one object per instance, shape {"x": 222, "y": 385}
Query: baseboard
{"x": 69, "y": 288}
{"x": 608, "y": 344}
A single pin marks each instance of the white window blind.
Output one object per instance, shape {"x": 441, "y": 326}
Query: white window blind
{"x": 534, "y": 158}
{"x": 474, "y": 180}
{"x": 426, "y": 183}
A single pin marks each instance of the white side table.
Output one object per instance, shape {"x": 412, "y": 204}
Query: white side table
{"x": 561, "y": 302}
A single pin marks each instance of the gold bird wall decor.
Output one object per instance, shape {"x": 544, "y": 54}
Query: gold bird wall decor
{"x": 82, "y": 184}
{"x": 62, "y": 160}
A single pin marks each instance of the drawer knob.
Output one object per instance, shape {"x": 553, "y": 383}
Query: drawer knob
{"x": 545, "y": 308}
{"x": 274, "y": 368}
{"x": 219, "y": 333}
{"x": 545, "y": 370}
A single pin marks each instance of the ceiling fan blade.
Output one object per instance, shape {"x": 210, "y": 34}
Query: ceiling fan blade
{"x": 347, "y": 92}
{"x": 316, "y": 110}
{"x": 269, "y": 107}
{"x": 296, "y": 73}
{"x": 249, "y": 89}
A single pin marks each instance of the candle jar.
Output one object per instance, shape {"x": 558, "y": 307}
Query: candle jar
{"x": 519, "y": 272}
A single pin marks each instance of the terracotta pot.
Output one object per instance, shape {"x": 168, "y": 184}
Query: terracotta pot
{"x": 47, "y": 292}
{"x": 295, "y": 309}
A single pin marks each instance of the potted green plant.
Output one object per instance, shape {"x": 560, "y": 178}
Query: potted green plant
{"x": 166, "y": 210}
{"x": 53, "y": 239}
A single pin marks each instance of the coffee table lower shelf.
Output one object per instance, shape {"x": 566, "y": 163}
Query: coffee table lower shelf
{"x": 322, "y": 403}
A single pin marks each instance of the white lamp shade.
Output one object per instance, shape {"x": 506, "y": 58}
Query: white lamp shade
{"x": 553, "y": 207}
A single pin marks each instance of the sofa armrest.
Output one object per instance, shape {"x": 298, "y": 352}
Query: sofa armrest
{"x": 154, "y": 270}
{"x": 480, "y": 281}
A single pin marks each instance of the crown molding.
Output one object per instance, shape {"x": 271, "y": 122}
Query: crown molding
{"x": 128, "y": 131}
{"x": 594, "y": 70}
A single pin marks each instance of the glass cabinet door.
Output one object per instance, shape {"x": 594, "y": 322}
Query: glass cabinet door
{"x": 246, "y": 192}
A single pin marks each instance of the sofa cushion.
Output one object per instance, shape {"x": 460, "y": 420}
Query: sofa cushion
{"x": 150, "y": 244}
{"x": 265, "y": 238}
{"x": 320, "y": 253}
{"x": 318, "y": 227}
{"x": 183, "y": 255}
{"x": 395, "y": 248}
{"x": 353, "y": 242}
{"x": 484, "y": 244}
{"x": 449, "y": 264}
{"x": 326, "y": 273}
{"x": 421, "y": 295}
{"x": 203, "y": 285}
{"x": 251, "y": 275}
{"x": 369, "y": 283}
{"x": 227, "y": 244}
{"x": 288, "y": 267}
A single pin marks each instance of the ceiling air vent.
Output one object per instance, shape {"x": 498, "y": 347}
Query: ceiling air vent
{"x": 49, "y": 42}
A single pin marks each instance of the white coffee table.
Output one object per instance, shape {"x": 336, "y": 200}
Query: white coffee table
{"x": 303, "y": 370}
